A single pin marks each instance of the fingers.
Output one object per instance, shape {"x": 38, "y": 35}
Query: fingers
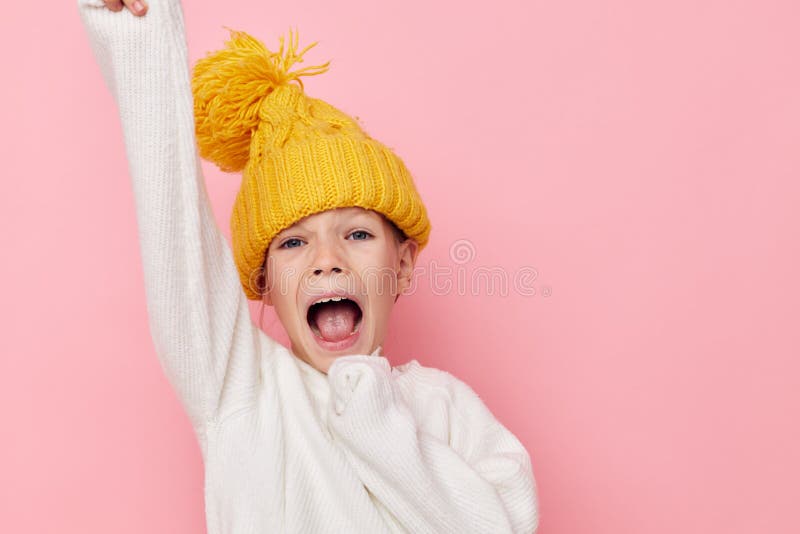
{"x": 137, "y": 7}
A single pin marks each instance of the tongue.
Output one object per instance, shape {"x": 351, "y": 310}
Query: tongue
{"x": 335, "y": 320}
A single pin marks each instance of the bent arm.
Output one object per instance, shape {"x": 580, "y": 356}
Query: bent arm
{"x": 427, "y": 484}
{"x": 197, "y": 311}
{"x": 496, "y": 454}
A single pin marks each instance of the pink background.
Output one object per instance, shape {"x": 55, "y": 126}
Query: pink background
{"x": 643, "y": 159}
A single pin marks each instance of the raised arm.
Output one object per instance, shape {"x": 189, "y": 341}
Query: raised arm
{"x": 479, "y": 480}
{"x": 198, "y": 314}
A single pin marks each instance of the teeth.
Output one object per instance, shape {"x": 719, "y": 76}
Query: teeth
{"x": 334, "y": 299}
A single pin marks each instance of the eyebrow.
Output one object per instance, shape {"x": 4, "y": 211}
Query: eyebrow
{"x": 362, "y": 213}
{"x": 295, "y": 227}
{"x": 299, "y": 226}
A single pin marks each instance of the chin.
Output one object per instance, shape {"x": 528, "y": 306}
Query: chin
{"x": 322, "y": 360}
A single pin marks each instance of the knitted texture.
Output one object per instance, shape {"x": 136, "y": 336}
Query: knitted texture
{"x": 365, "y": 449}
{"x": 299, "y": 155}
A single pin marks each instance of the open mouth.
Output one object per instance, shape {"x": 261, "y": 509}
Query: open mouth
{"x": 334, "y": 320}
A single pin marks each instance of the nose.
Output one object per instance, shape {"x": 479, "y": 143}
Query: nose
{"x": 333, "y": 270}
{"x": 327, "y": 259}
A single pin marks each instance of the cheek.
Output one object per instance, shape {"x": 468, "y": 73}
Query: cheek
{"x": 379, "y": 281}
{"x": 380, "y": 311}
{"x": 382, "y": 286}
{"x": 285, "y": 305}
{"x": 378, "y": 267}
{"x": 280, "y": 273}
{"x": 282, "y": 282}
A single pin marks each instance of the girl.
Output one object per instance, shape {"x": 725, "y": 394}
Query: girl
{"x": 326, "y": 437}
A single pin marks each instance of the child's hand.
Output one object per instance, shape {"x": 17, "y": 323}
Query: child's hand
{"x": 366, "y": 408}
{"x": 137, "y": 7}
{"x": 361, "y": 387}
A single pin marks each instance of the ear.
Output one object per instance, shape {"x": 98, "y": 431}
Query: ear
{"x": 407, "y": 259}
{"x": 261, "y": 282}
{"x": 261, "y": 279}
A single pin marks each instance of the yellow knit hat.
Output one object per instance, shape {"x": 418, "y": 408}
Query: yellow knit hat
{"x": 299, "y": 155}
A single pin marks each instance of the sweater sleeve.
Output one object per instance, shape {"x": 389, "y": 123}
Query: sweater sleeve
{"x": 426, "y": 484}
{"x": 495, "y": 453}
{"x": 198, "y": 315}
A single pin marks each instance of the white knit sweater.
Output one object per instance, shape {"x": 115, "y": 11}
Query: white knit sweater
{"x": 366, "y": 448}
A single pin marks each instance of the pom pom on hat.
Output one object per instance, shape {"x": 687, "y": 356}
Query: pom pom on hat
{"x": 229, "y": 86}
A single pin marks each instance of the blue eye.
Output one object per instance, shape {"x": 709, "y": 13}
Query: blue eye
{"x": 292, "y": 242}
{"x": 360, "y": 235}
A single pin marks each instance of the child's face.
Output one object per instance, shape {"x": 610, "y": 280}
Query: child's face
{"x": 350, "y": 252}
